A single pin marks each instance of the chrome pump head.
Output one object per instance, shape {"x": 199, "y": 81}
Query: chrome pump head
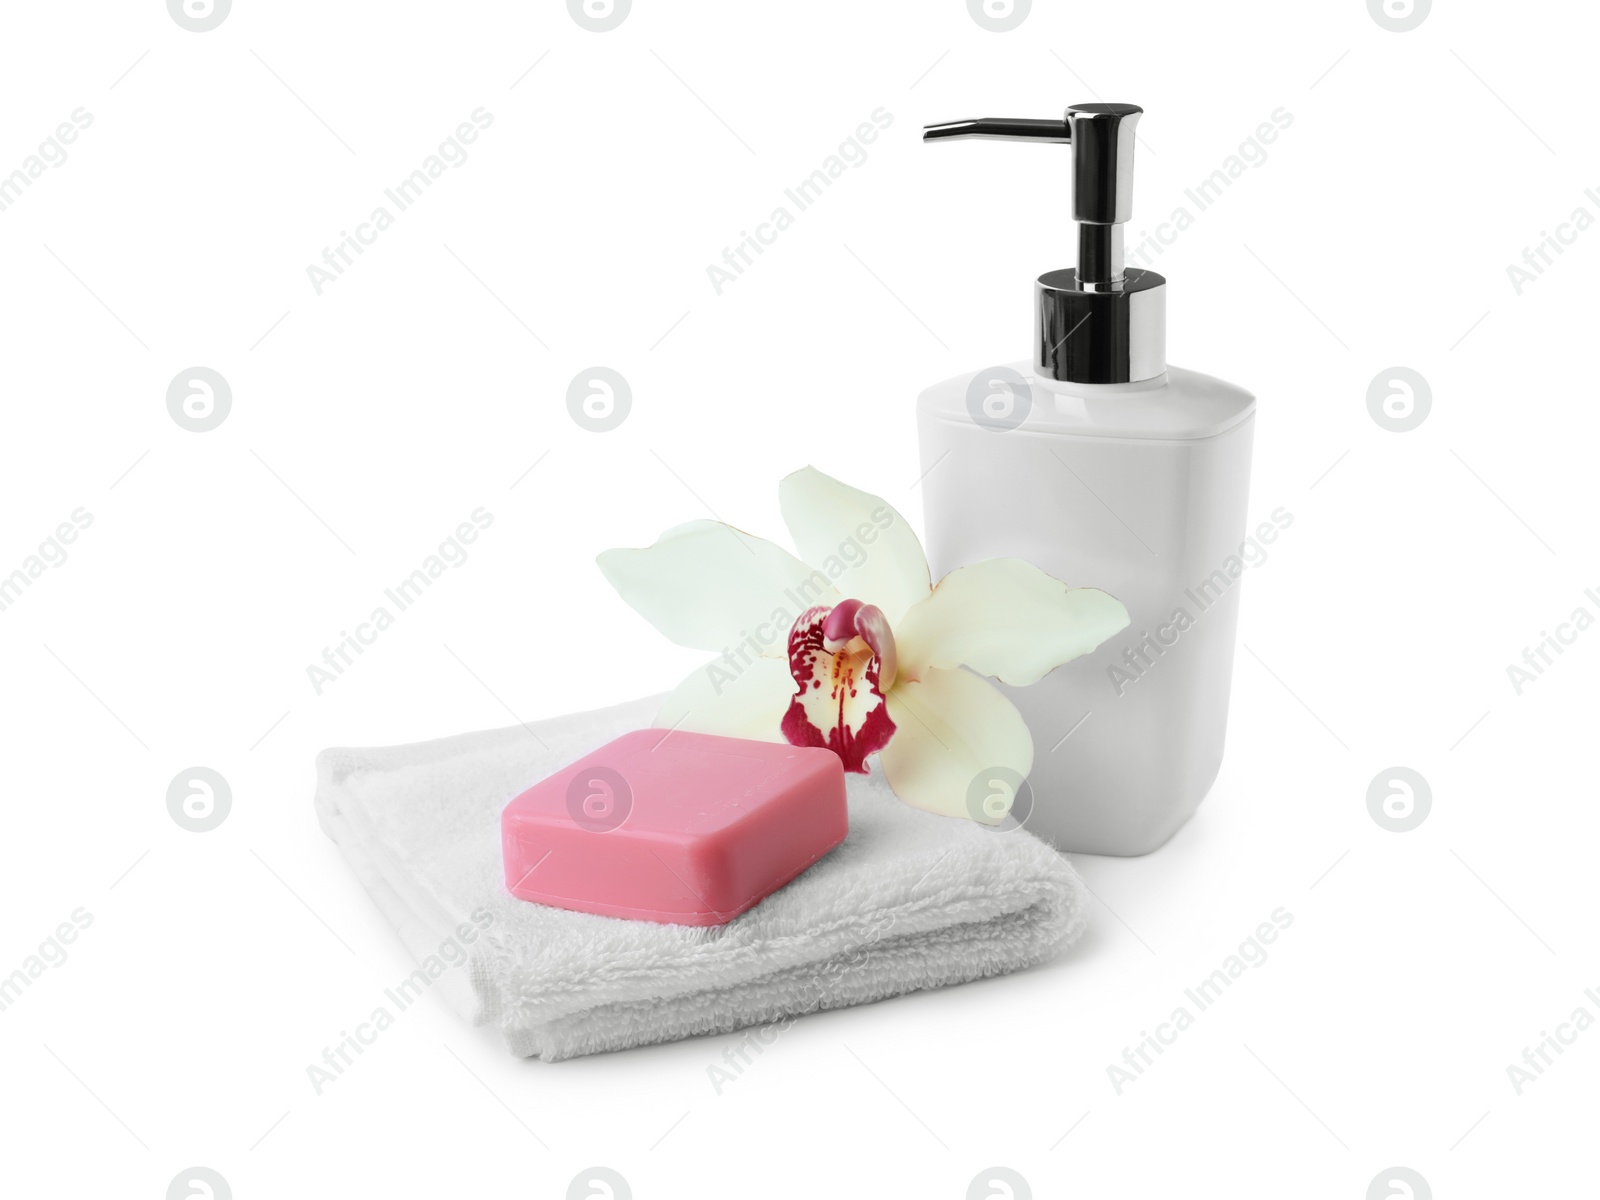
{"x": 1100, "y": 322}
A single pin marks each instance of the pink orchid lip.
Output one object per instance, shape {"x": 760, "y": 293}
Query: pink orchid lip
{"x": 838, "y": 658}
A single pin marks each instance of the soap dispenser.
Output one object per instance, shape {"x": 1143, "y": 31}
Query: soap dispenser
{"x": 1107, "y": 468}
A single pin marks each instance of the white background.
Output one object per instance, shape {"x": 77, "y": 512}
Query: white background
{"x": 369, "y": 420}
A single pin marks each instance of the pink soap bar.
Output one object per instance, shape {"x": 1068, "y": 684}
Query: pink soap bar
{"x": 680, "y": 828}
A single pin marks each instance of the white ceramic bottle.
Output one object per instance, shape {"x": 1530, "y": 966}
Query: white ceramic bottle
{"x": 1107, "y": 468}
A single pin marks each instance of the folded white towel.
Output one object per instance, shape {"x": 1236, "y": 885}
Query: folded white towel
{"x": 908, "y": 901}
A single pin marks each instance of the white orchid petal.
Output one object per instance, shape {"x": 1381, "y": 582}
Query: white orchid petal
{"x": 1005, "y": 618}
{"x": 749, "y": 704}
{"x": 955, "y": 734}
{"x": 710, "y": 586}
{"x": 857, "y": 539}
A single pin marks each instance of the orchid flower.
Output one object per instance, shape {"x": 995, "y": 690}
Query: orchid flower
{"x": 849, "y": 647}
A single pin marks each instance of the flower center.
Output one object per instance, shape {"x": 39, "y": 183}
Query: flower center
{"x": 843, "y": 661}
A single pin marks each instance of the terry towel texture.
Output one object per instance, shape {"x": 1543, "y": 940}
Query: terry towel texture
{"x": 908, "y": 901}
